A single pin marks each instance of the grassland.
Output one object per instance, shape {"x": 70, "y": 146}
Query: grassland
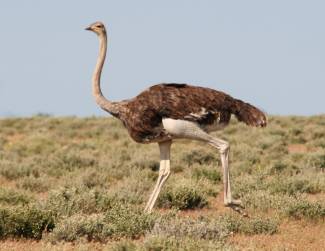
{"x": 81, "y": 184}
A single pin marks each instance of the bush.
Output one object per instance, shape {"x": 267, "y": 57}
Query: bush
{"x": 147, "y": 163}
{"x": 92, "y": 179}
{"x": 199, "y": 157}
{"x": 182, "y": 196}
{"x": 133, "y": 188}
{"x": 11, "y": 197}
{"x": 250, "y": 226}
{"x": 72, "y": 161}
{"x": 125, "y": 221}
{"x": 13, "y": 171}
{"x": 125, "y": 245}
{"x": 161, "y": 243}
{"x": 294, "y": 186}
{"x": 217, "y": 229}
{"x": 120, "y": 221}
{"x": 78, "y": 226}
{"x": 278, "y": 167}
{"x": 28, "y": 222}
{"x": 69, "y": 201}
{"x": 211, "y": 174}
{"x": 317, "y": 161}
{"x": 201, "y": 228}
{"x": 304, "y": 209}
{"x": 264, "y": 201}
{"x": 34, "y": 184}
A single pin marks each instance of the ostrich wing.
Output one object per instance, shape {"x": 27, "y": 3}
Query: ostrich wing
{"x": 177, "y": 101}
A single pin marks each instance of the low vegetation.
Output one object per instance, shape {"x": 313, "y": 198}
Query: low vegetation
{"x": 70, "y": 180}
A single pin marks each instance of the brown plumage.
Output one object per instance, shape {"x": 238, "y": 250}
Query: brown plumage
{"x": 143, "y": 115}
{"x": 168, "y": 111}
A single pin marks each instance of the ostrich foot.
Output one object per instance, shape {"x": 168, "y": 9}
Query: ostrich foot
{"x": 233, "y": 202}
{"x": 237, "y": 206}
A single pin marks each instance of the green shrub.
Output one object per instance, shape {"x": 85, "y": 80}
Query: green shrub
{"x": 69, "y": 201}
{"x": 125, "y": 221}
{"x": 250, "y": 226}
{"x": 93, "y": 179}
{"x": 133, "y": 189}
{"x": 278, "y": 167}
{"x": 201, "y": 228}
{"x": 78, "y": 226}
{"x": 13, "y": 171}
{"x": 295, "y": 131}
{"x": 126, "y": 245}
{"x": 120, "y": 221}
{"x": 258, "y": 226}
{"x": 304, "y": 209}
{"x": 62, "y": 162}
{"x": 28, "y": 222}
{"x": 217, "y": 229}
{"x": 150, "y": 164}
{"x": 76, "y": 161}
{"x": 265, "y": 201}
{"x": 248, "y": 184}
{"x": 294, "y": 186}
{"x": 210, "y": 174}
{"x": 199, "y": 157}
{"x": 177, "y": 168}
{"x": 317, "y": 160}
{"x": 11, "y": 197}
{"x": 34, "y": 184}
{"x": 182, "y": 196}
{"x": 161, "y": 243}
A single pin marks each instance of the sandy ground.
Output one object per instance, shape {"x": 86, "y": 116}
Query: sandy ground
{"x": 292, "y": 235}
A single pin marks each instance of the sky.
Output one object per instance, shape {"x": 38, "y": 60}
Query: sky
{"x": 268, "y": 53}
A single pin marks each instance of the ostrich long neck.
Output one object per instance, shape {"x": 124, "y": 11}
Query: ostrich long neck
{"x": 111, "y": 107}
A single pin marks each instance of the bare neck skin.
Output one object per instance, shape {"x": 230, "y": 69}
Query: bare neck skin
{"x": 111, "y": 107}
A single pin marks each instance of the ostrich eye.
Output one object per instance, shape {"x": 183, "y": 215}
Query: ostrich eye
{"x": 98, "y": 26}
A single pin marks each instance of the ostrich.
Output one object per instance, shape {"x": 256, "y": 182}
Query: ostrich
{"x": 169, "y": 111}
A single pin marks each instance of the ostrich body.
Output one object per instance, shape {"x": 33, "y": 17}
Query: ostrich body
{"x": 165, "y": 112}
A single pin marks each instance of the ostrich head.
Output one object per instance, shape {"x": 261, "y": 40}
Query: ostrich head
{"x": 97, "y": 27}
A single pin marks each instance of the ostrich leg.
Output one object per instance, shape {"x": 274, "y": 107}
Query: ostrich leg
{"x": 190, "y": 130}
{"x": 223, "y": 148}
{"x": 164, "y": 171}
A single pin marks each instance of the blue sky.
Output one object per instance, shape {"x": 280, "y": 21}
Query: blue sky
{"x": 269, "y": 53}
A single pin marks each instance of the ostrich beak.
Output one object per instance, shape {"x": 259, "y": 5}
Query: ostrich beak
{"x": 88, "y": 28}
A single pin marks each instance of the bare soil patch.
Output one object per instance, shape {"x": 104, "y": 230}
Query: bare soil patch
{"x": 297, "y": 148}
{"x": 292, "y": 235}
